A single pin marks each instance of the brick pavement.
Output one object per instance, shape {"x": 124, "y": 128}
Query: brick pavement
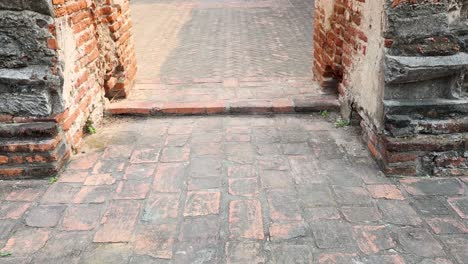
{"x": 224, "y": 56}
{"x": 272, "y": 189}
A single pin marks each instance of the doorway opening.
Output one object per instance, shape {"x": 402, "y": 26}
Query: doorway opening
{"x": 218, "y": 56}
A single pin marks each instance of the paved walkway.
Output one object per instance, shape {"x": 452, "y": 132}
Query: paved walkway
{"x": 280, "y": 189}
{"x": 216, "y": 56}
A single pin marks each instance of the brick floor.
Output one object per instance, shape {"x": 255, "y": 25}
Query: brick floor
{"x": 223, "y": 56}
{"x": 226, "y": 189}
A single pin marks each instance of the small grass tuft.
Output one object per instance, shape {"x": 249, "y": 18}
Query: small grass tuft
{"x": 4, "y": 254}
{"x": 53, "y": 180}
{"x": 325, "y": 114}
{"x": 89, "y": 127}
{"x": 340, "y": 122}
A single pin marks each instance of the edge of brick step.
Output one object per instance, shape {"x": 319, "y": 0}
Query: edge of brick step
{"x": 277, "y": 106}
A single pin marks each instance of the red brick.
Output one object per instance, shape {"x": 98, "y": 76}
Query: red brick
{"x": 245, "y": 219}
{"x": 202, "y": 203}
{"x": 99, "y": 179}
{"x": 385, "y": 191}
{"x": 82, "y": 218}
{"x": 118, "y": 223}
{"x": 13, "y": 210}
{"x": 169, "y": 177}
{"x": 26, "y": 241}
{"x": 132, "y": 190}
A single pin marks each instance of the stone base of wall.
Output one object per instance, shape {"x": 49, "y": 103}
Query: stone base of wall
{"x": 32, "y": 150}
{"x": 421, "y": 154}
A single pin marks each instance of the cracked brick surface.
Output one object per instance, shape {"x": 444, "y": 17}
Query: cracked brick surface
{"x": 274, "y": 189}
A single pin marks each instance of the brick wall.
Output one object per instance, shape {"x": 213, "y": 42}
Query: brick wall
{"x": 63, "y": 60}
{"x": 401, "y": 66}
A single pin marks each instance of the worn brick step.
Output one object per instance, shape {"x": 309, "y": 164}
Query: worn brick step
{"x": 436, "y": 143}
{"x": 32, "y": 171}
{"x": 31, "y": 145}
{"x": 28, "y": 130}
{"x": 432, "y": 108}
{"x": 312, "y": 104}
{"x": 402, "y": 124}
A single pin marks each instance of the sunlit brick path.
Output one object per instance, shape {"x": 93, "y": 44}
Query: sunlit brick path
{"x": 278, "y": 189}
{"x": 216, "y": 56}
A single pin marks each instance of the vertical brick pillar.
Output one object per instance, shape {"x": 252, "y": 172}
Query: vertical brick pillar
{"x": 58, "y": 61}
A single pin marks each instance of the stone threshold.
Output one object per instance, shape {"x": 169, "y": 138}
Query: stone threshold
{"x": 271, "y": 106}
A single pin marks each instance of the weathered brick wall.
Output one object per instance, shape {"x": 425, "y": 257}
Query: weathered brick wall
{"x": 401, "y": 65}
{"x": 60, "y": 59}
{"x": 426, "y": 100}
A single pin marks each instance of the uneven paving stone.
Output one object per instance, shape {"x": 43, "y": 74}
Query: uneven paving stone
{"x": 155, "y": 240}
{"x": 321, "y": 213}
{"x": 305, "y": 170}
{"x": 419, "y": 242}
{"x": 24, "y": 194}
{"x": 352, "y": 195}
{"x": 245, "y": 219}
{"x": 161, "y": 207}
{"x": 83, "y": 162}
{"x": 200, "y": 252}
{"x": 382, "y": 259}
{"x": 458, "y": 246}
{"x": 175, "y": 154}
{"x": 60, "y": 193}
{"x": 207, "y": 149}
{"x": 447, "y": 226}
{"x": 99, "y": 179}
{"x": 63, "y": 247}
{"x": 200, "y": 228}
{"x": 241, "y": 171}
{"x": 26, "y": 241}
{"x": 205, "y": 167}
{"x": 202, "y": 203}
{"x": 336, "y": 258}
{"x": 284, "y": 230}
{"x": 45, "y": 215}
{"x": 118, "y": 222}
{"x": 139, "y": 171}
{"x": 93, "y": 194}
{"x": 244, "y": 252}
{"x": 278, "y": 163}
{"x": 82, "y": 217}
{"x": 387, "y": 191}
{"x": 196, "y": 184}
{"x": 132, "y": 190}
{"x": 13, "y": 210}
{"x": 432, "y": 206}
{"x": 373, "y": 239}
{"x": 274, "y": 179}
{"x": 137, "y": 259}
{"x": 360, "y": 214}
{"x": 420, "y": 187}
{"x": 460, "y": 205}
{"x": 283, "y": 206}
{"x": 108, "y": 253}
{"x": 247, "y": 187}
{"x": 169, "y": 177}
{"x": 316, "y": 195}
{"x": 73, "y": 177}
{"x": 108, "y": 166}
{"x": 290, "y": 253}
{"x": 150, "y": 155}
{"x": 6, "y": 226}
{"x": 399, "y": 213}
{"x": 332, "y": 234}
